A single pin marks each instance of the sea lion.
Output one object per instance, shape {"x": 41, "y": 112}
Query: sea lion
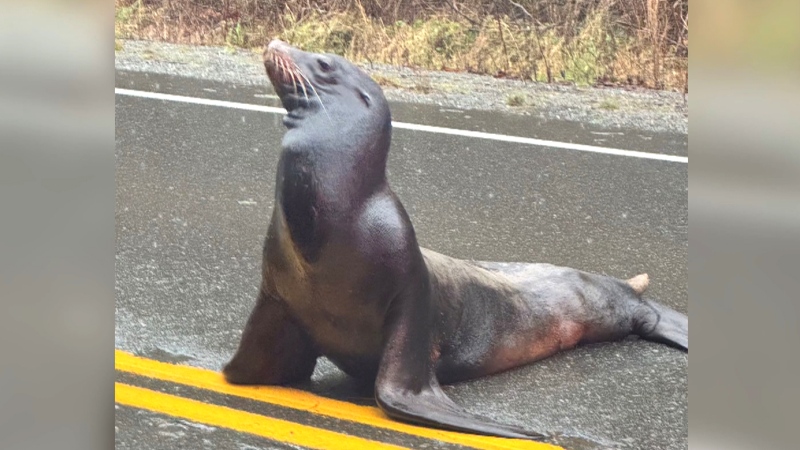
{"x": 344, "y": 276}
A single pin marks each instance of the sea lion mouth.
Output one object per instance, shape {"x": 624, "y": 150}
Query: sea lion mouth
{"x": 292, "y": 86}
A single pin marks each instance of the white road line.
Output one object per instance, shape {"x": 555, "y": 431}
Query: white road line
{"x": 199, "y": 101}
{"x": 417, "y": 127}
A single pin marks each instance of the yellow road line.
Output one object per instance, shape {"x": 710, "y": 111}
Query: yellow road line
{"x": 296, "y": 399}
{"x": 245, "y": 422}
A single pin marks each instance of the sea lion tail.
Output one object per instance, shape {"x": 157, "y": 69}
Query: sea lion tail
{"x": 659, "y": 323}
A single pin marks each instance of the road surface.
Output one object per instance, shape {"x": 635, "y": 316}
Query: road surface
{"x": 193, "y": 199}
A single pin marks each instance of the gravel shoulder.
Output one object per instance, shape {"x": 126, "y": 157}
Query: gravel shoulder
{"x": 612, "y": 108}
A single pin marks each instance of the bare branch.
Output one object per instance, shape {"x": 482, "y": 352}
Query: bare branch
{"x": 522, "y": 8}
{"x": 455, "y": 8}
{"x": 547, "y": 68}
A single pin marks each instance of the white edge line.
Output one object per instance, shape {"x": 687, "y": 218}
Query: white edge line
{"x": 417, "y": 127}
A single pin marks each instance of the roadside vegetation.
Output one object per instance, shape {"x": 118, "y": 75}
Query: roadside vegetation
{"x": 584, "y": 42}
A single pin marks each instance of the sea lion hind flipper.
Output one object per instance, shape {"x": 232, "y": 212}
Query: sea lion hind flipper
{"x": 660, "y": 323}
{"x": 273, "y": 348}
{"x": 406, "y": 387}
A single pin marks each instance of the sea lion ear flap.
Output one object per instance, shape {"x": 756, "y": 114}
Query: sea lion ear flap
{"x": 365, "y": 98}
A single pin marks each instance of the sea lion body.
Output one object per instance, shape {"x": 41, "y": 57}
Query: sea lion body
{"x": 344, "y": 276}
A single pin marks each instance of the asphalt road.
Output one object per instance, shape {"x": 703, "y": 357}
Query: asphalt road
{"x": 193, "y": 199}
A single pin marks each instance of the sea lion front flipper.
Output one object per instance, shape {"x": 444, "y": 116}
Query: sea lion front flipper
{"x": 273, "y": 348}
{"x": 406, "y": 387}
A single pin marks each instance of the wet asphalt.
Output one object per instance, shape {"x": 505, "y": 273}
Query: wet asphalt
{"x": 194, "y": 194}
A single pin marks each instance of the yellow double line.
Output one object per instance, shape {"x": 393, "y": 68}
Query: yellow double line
{"x": 220, "y": 416}
{"x": 272, "y": 428}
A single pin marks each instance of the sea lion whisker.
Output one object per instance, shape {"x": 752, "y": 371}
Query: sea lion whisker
{"x": 284, "y": 69}
{"x": 277, "y": 62}
{"x": 304, "y": 80}
{"x": 296, "y": 71}
{"x": 290, "y": 68}
{"x": 294, "y": 81}
{"x": 303, "y": 86}
{"x": 315, "y": 93}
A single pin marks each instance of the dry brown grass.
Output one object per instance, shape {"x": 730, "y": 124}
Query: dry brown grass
{"x": 587, "y": 42}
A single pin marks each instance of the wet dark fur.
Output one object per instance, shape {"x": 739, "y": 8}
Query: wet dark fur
{"x": 345, "y": 278}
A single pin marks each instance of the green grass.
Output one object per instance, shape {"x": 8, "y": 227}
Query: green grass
{"x": 237, "y": 37}
{"x": 124, "y": 14}
{"x": 423, "y": 86}
{"x": 386, "y": 81}
{"x": 148, "y": 54}
{"x": 516, "y": 100}
{"x": 609, "y": 105}
{"x": 596, "y": 49}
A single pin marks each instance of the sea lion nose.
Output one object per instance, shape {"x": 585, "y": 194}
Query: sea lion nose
{"x": 275, "y": 46}
{"x": 278, "y": 45}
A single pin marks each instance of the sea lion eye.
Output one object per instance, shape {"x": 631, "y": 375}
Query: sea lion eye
{"x": 324, "y": 65}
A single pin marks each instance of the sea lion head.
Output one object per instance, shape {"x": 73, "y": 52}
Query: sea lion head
{"x": 324, "y": 90}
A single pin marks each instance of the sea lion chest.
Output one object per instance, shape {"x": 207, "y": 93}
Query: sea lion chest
{"x": 329, "y": 261}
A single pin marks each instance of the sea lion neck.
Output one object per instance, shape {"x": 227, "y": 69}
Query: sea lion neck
{"x": 349, "y": 163}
